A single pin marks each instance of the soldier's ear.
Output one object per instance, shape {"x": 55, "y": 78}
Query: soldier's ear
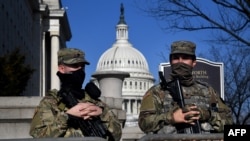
{"x": 194, "y": 63}
{"x": 61, "y": 68}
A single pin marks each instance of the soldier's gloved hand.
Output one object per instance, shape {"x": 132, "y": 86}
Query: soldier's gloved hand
{"x": 217, "y": 122}
{"x": 205, "y": 114}
{"x": 188, "y": 109}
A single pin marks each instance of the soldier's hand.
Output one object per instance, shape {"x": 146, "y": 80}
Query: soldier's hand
{"x": 205, "y": 114}
{"x": 187, "y": 115}
{"x": 85, "y": 110}
{"x": 192, "y": 113}
{"x": 91, "y": 110}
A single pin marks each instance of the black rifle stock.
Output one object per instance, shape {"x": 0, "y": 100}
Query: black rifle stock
{"x": 175, "y": 87}
{"x": 93, "y": 127}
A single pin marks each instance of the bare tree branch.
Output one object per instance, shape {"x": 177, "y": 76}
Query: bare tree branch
{"x": 230, "y": 18}
{"x": 237, "y": 81}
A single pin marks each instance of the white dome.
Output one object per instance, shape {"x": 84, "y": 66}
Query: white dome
{"x": 122, "y": 56}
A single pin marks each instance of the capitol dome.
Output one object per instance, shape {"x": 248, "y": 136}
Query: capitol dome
{"x": 123, "y": 57}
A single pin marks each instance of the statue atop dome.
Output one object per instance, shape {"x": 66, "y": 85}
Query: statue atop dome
{"x": 122, "y": 9}
{"x": 122, "y": 20}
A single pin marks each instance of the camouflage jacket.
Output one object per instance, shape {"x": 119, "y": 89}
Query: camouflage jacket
{"x": 158, "y": 106}
{"x": 50, "y": 119}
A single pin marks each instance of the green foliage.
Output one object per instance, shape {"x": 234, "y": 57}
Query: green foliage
{"x": 14, "y": 74}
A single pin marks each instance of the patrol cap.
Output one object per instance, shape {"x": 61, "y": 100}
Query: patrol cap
{"x": 183, "y": 47}
{"x": 71, "y": 56}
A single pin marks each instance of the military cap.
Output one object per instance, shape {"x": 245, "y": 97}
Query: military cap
{"x": 71, "y": 56}
{"x": 183, "y": 47}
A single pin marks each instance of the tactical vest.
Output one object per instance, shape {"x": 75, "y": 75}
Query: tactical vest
{"x": 71, "y": 132}
{"x": 198, "y": 94}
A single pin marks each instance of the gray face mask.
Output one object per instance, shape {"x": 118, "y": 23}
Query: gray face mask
{"x": 183, "y": 72}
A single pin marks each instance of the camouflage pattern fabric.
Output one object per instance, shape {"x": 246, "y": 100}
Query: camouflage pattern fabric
{"x": 50, "y": 119}
{"x": 158, "y": 106}
{"x": 183, "y": 47}
{"x": 71, "y": 56}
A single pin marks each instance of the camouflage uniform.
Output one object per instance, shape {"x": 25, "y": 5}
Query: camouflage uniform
{"x": 158, "y": 106}
{"x": 50, "y": 118}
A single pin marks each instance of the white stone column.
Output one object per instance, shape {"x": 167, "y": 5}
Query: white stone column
{"x": 136, "y": 106}
{"x": 43, "y": 75}
{"x": 111, "y": 82}
{"x": 123, "y": 104}
{"x": 55, "y": 45}
{"x": 129, "y": 106}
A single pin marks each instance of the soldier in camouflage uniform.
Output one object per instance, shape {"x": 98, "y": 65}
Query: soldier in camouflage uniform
{"x": 161, "y": 114}
{"x": 52, "y": 117}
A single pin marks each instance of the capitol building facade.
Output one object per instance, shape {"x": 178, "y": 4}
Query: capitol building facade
{"x": 124, "y": 57}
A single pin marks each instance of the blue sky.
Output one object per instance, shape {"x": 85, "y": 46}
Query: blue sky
{"x": 93, "y": 22}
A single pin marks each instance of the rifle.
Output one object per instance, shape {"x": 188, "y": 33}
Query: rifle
{"x": 175, "y": 87}
{"x": 93, "y": 127}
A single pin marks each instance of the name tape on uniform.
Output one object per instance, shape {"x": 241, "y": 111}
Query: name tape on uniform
{"x": 232, "y": 132}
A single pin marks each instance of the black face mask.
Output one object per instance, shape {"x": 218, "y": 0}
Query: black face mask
{"x": 183, "y": 72}
{"x": 73, "y": 79}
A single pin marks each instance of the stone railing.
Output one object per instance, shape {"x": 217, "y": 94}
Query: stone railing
{"x": 172, "y": 137}
{"x": 15, "y": 117}
{"x": 183, "y": 137}
{"x": 16, "y": 114}
{"x": 57, "y": 139}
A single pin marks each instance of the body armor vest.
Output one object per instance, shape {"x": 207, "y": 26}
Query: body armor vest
{"x": 197, "y": 94}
